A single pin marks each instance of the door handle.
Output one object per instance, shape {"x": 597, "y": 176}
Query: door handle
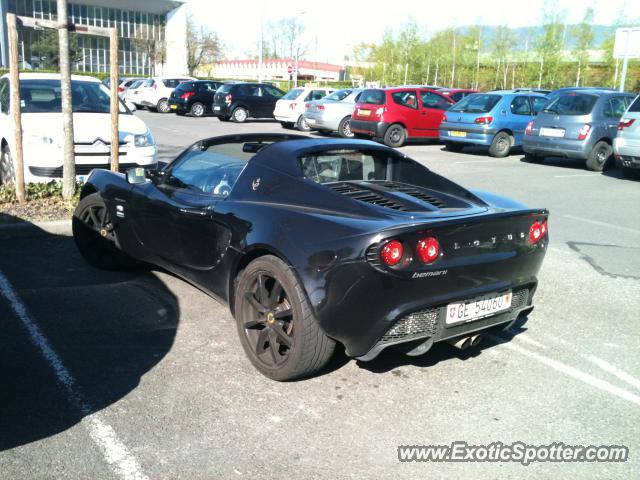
{"x": 194, "y": 211}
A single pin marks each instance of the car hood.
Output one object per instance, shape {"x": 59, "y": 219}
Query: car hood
{"x": 87, "y": 127}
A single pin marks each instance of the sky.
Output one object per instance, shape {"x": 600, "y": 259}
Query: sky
{"x": 333, "y": 27}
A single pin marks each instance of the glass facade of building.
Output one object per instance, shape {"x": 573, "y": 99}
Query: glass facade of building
{"x": 140, "y": 43}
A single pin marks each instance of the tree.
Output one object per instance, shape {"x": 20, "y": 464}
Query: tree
{"x": 583, "y": 33}
{"x": 549, "y": 46}
{"x": 47, "y": 49}
{"x": 501, "y": 48}
{"x": 203, "y": 46}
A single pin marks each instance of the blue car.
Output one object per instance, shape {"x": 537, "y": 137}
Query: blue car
{"x": 494, "y": 119}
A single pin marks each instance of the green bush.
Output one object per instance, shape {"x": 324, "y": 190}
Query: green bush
{"x": 36, "y": 191}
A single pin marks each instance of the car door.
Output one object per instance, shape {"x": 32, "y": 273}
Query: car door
{"x": 519, "y": 115}
{"x": 406, "y": 111}
{"x": 432, "y": 108}
{"x": 613, "y": 112}
{"x": 270, "y": 96}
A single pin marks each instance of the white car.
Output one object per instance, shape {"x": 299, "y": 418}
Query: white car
{"x": 42, "y": 136}
{"x": 133, "y": 94}
{"x": 290, "y": 108}
{"x": 157, "y": 90}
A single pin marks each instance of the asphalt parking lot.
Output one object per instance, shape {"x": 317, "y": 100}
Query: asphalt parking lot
{"x": 158, "y": 386}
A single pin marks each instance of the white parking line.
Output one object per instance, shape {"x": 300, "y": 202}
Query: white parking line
{"x": 570, "y": 371}
{"x": 113, "y": 450}
{"x": 603, "y": 224}
{"x": 613, "y": 370}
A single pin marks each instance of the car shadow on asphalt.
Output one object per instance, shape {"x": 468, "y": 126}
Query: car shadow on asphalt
{"x": 108, "y": 329}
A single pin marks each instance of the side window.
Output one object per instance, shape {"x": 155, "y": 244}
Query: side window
{"x": 274, "y": 92}
{"x": 616, "y": 107}
{"x": 433, "y": 100}
{"x": 538, "y": 103}
{"x": 357, "y": 97}
{"x": 4, "y": 96}
{"x": 520, "y": 106}
{"x": 406, "y": 99}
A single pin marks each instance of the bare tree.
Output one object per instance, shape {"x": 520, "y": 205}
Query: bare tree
{"x": 203, "y": 46}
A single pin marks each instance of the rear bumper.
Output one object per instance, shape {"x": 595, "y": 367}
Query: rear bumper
{"x": 286, "y": 118}
{"x": 320, "y": 122}
{"x": 473, "y": 135}
{"x": 220, "y": 110}
{"x": 556, "y": 147}
{"x": 373, "y": 129}
{"x": 178, "y": 105}
{"x": 627, "y": 152}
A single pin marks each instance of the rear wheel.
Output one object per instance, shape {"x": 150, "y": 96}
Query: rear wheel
{"x": 395, "y": 136}
{"x": 501, "y": 145}
{"x": 7, "y": 168}
{"x": 344, "y": 129}
{"x": 197, "y": 109}
{"x": 302, "y": 124}
{"x": 453, "y": 146}
{"x": 599, "y": 157}
{"x": 95, "y": 237}
{"x": 163, "y": 105}
{"x": 277, "y": 328}
{"x": 239, "y": 115}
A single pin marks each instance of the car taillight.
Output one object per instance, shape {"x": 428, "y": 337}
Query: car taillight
{"x": 121, "y": 89}
{"x": 536, "y": 232}
{"x": 584, "y": 131}
{"x": 293, "y": 105}
{"x": 625, "y": 123}
{"x": 228, "y": 99}
{"x": 444, "y": 118}
{"x": 545, "y": 228}
{"x": 391, "y": 253}
{"x": 484, "y": 120}
{"x": 428, "y": 250}
{"x": 307, "y": 106}
{"x": 320, "y": 107}
{"x": 527, "y": 131}
{"x": 187, "y": 95}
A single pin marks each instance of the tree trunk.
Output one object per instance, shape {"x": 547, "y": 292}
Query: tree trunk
{"x": 14, "y": 102}
{"x": 115, "y": 106}
{"x": 578, "y": 76}
{"x": 69, "y": 164}
{"x": 540, "y": 74}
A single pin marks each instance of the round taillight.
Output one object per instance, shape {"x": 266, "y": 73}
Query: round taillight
{"x": 428, "y": 250}
{"x": 391, "y": 253}
{"x": 535, "y": 232}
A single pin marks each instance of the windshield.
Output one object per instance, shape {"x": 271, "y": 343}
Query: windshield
{"x": 339, "y": 95}
{"x": 293, "y": 94}
{"x": 43, "y": 96}
{"x": 476, "y": 103}
{"x": 571, "y": 104}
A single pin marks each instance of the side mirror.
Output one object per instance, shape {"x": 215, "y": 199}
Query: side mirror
{"x": 136, "y": 176}
{"x": 130, "y": 105}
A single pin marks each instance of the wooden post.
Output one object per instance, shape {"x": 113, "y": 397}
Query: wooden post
{"x": 14, "y": 87}
{"x": 115, "y": 110}
{"x": 68, "y": 149}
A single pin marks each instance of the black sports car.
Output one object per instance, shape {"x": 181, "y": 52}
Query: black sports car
{"x": 312, "y": 242}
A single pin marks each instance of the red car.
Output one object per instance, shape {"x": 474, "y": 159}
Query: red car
{"x": 399, "y": 113}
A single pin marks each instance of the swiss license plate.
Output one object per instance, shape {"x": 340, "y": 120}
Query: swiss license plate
{"x": 173, "y": 107}
{"x": 216, "y": 107}
{"x": 552, "y": 132}
{"x": 364, "y": 113}
{"x": 454, "y": 133}
{"x": 478, "y": 308}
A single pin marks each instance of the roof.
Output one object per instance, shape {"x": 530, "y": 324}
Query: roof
{"x": 52, "y": 76}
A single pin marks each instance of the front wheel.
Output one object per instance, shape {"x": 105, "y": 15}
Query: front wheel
{"x": 501, "y": 145}
{"x": 599, "y": 157}
{"x": 395, "y": 136}
{"x": 277, "y": 328}
{"x": 95, "y": 237}
{"x": 163, "y": 105}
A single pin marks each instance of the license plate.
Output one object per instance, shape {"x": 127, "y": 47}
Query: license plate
{"x": 478, "y": 308}
{"x": 364, "y": 113}
{"x": 216, "y": 107}
{"x": 173, "y": 107}
{"x": 453, "y": 133}
{"x": 552, "y": 132}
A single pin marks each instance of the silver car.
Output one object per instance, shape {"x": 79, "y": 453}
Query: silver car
{"x": 626, "y": 146}
{"x": 578, "y": 124}
{"x": 333, "y": 112}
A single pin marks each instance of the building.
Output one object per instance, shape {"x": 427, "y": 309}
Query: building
{"x": 277, "y": 69}
{"x": 152, "y": 34}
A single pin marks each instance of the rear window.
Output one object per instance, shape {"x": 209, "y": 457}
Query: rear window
{"x": 571, "y": 104}
{"x": 293, "y": 94}
{"x": 477, "y": 103}
{"x": 185, "y": 86}
{"x": 375, "y": 97}
{"x": 226, "y": 88}
{"x": 339, "y": 95}
{"x": 635, "y": 106}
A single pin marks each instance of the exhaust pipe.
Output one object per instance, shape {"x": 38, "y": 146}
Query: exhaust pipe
{"x": 461, "y": 343}
{"x": 475, "y": 340}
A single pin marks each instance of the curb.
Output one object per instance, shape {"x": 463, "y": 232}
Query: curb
{"x": 36, "y": 229}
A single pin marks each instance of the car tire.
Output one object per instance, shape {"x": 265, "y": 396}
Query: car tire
{"x": 302, "y": 124}
{"x": 501, "y": 145}
{"x": 600, "y": 156}
{"x": 239, "y": 115}
{"x": 453, "y": 146}
{"x": 163, "y": 106}
{"x": 197, "y": 109}
{"x": 395, "y": 136}
{"x": 95, "y": 236}
{"x": 7, "y": 167}
{"x": 631, "y": 173}
{"x": 344, "y": 128}
{"x": 277, "y": 328}
{"x": 531, "y": 158}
